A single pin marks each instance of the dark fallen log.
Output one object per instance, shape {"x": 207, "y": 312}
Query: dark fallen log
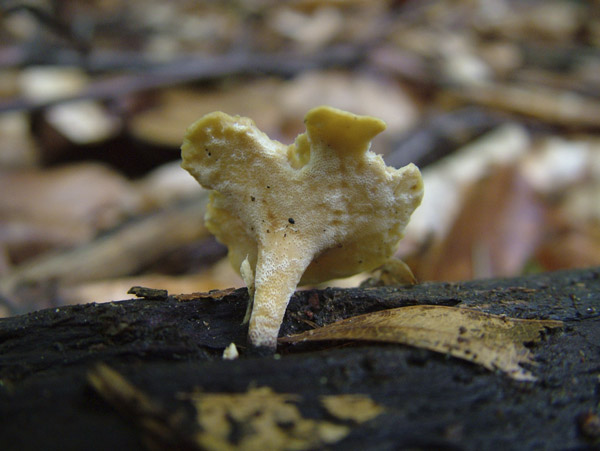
{"x": 167, "y": 346}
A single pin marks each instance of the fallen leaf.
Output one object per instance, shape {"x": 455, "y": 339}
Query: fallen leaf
{"x": 371, "y": 96}
{"x": 555, "y": 106}
{"x": 61, "y": 207}
{"x": 166, "y": 185}
{"x": 162, "y": 124}
{"x": 448, "y": 179}
{"x": 575, "y": 248}
{"x": 495, "y": 233}
{"x": 492, "y": 341}
{"x": 18, "y": 148}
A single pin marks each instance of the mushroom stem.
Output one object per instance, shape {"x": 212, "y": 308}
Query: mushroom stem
{"x": 278, "y": 207}
{"x": 278, "y": 272}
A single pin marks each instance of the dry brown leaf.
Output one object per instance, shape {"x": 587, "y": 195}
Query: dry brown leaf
{"x": 371, "y": 96}
{"x": 166, "y": 185}
{"x": 563, "y": 107}
{"x": 575, "y": 248}
{"x": 310, "y": 30}
{"x": 61, "y": 207}
{"x": 18, "y": 148}
{"x": 126, "y": 250}
{"x": 496, "y": 232}
{"x": 447, "y": 180}
{"x": 494, "y": 342}
{"x": 263, "y": 420}
{"x": 165, "y": 124}
{"x": 82, "y": 121}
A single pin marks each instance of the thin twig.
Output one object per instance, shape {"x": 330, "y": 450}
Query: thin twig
{"x": 198, "y": 68}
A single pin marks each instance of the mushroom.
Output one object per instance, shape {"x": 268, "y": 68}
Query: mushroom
{"x": 321, "y": 208}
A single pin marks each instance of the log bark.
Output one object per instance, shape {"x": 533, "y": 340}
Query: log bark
{"x": 165, "y": 345}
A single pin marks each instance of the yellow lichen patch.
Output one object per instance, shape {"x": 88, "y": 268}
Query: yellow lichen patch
{"x": 324, "y": 207}
{"x": 263, "y": 420}
{"x": 357, "y": 408}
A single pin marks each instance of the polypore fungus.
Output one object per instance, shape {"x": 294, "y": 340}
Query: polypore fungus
{"x": 324, "y": 207}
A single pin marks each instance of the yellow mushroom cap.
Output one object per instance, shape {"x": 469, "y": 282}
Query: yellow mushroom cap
{"x": 321, "y": 208}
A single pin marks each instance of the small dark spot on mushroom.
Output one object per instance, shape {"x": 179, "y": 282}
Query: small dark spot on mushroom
{"x": 291, "y": 220}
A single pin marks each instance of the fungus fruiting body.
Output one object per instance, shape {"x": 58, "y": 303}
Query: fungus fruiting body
{"x": 323, "y": 207}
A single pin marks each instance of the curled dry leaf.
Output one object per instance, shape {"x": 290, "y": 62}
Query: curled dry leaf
{"x": 499, "y": 226}
{"x": 492, "y": 341}
{"x": 561, "y": 107}
{"x": 61, "y": 207}
{"x": 373, "y": 96}
{"x": 162, "y": 125}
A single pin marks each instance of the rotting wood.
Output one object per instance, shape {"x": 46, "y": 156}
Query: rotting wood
{"x": 166, "y": 348}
